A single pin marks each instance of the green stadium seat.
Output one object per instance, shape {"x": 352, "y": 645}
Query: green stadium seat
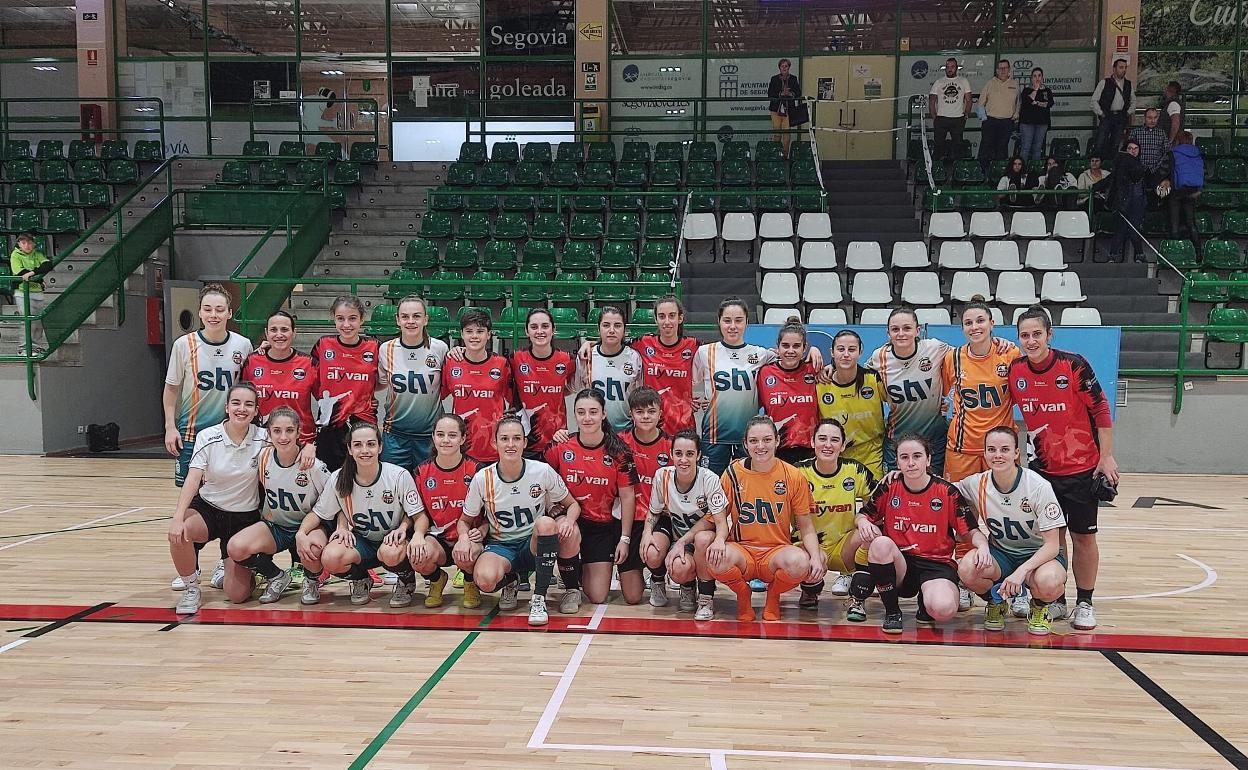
{"x": 618, "y": 255}
{"x": 768, "y": 151}
{"x": 1239, "y": 146}
{"x": 478, "y": 202}
{"x": 736, "y": 173}
{"x": 19, "y": 170}
{"x": 472, "y": 152}
{"x": 968, "y": 173}
{"x": 772, "y": 199}
{"x": 517, "y": 199}
{"x": 598, "y": 174}
{"x": 1156, "y": 223}
{"x": 1064, "y": 148}
{"x": 505, "y": 152}
{"x": 702, "y": 199}
{"x": 475, "y": 293}
{"x": 54, "y": 171}
{"x": 943, "y": 202}
{"x": 643, "y": 318}
{"x": 337, "y": 195}
{"x": 495, "y": 174}
{"x": 1211, "y": 147}
{"x": 309, "y": 172}
{"x": 736, "y": 150}
{"x": 623, "y": 227}
{"x": 736, "y": 202}
{"x": 567, "y": 322}
{"x": 537, "y": 152}
{"x": 1218, "y": 199}
{"x": 407, "y": 285}
{"x": 1207, "y": 293}
{"x": 617, "y": 292}
{"x": 662, "y": 202}
{"x": 511, "y": 226}
{"x": 291, "y": 149}
{"x": 799, "y": 150}
{"x": 657, "y": 284}
{"x": 1234, "y": 223}
{"x": 1230, "y": 171}
{"x": 258, "y": 148}
{"x": 525, "y": 290}
{"x": 771, "y": 174}
{"x": 1227, "y": 316}
{"x": 635, "y": 152}
{"x": 539, "y": 256}
{"x": 548, "y": 226}
{"x": 807, "y": 200}
{"x": 347, "y": 173}
{"x": 499, "y": 256}
{"x": 461, "y": 254}
{"x": 149, "y": 150}
{"x": 600, "y": 152}
{"x": 50, "y": 149}
{"x": 24, "y": 194}
{"x": 985, "y": 203}
{"x": 669, "y": 152}
{"x": 1074, "y": 167}
{"x": 701, "y": 173}
{"x": 26, "y": 220}
{"x": 570, "y": 152}
{"x": 439, "y": 319}
{"x": 571, "y": 288}
{"x": 511, "y": 319}
{"x": 627, "y": 199}
{"x": 59, "y": 195}
{"x": 704, "y": 152}
{"x": 665, "y": 174}
{"x": 546, "y": 202}
{"x": 562, "y": 173}
{"x": 17, "y": 149}
{"x": 443, "y": 199}
{"x": 529, "y": 174}
{"x": 80, "y": 149}
{"x": 234, "y": 172}
{"x": 804, "y": 173}
{"x": 383, "y": 319}
{"x": 586, "y": 226}
{"x": 631, "y": 174}
{"x": 422, "y": 253}
{"x": 579, "y": 255}
{"x": 996, "y": 170}
{"x": 435, "y": 224}
{"x": 449, "y": 291}
{"x": 657, "y": 254}
{"x": 1240, "y": 290}
{"x": 1224, "y": 255}
{"x": 364, "y": 152}
{"x": 95, "y": 196}
{"x": 1204, "y": 224}
{"x": 1178, "y": 252}
{"x": 661, "y": 226}
{"x": 590, "y": 203}
{"x": 271, "y": 172}
{"x": 114, "y": 149}
{"x": 474, "y": 224}
{"x": 461, "y": 174}
{"x": 62, "y": 221}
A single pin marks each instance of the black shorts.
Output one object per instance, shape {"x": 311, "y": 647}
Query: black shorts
{"x": 664, "y": 525}
{"x": 222, "y": 525}
{"x": 598, "y": 541}
{"x": 331, "y": 446}
{"x": 633, "y": 560}
{"x": 447, "y": 548}
{"x": 1079, "y": 505}
{"x": 795, "y": 454}
{"x": 919, "y": 571}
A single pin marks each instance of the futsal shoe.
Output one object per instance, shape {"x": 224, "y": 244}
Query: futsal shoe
{"x": 570, "y": 602}
{"x": 311, "y": 591}
{"x": 509, "y": 599}
{"x": 458, "y": 582}
{"x": 189, "y": 602}
{"x": 1085, "y": 617}
{"x": 658, "y": 592}
{"x": 378, "y": 580}
{"x": 276, "y": 587}
{"x": 921, "y": 616}
{"x": 1057, "y": 610}
{"x": 436, "y": 587}
{"x": 706, "y": 608}
{"x": 360, "y": 591}
{"x": 537, "y": 611}
{"x": 757, "y": 586}
{"x": 892, "y": 623}
{"x": 472, "y": 596}
{"x": 841, "y": 586}
{"x": 177, "y": 584}
{"x": 218, "y": 574}
{"x": 965, "y": 600}
{"x": 402, "y": 595}
{"x": 688, "y": 598}
{"x": 857, "y": 612}
{"x": 809, "y": 600}
{"x": 994, "y": 616}
{"x": 1021, "y": 606}
{"x": 296, "y": 575}
{"x": 1038, "y": 623}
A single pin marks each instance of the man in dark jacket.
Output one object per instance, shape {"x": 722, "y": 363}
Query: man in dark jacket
{"x": 1112, "y": 102}
{"x": 1126, "y": 199}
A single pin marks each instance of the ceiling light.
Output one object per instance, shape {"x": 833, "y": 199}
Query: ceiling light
{"x": 332, "y": 72}
{"x": 45, "y": 68}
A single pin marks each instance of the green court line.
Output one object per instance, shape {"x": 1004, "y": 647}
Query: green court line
{"x": 18, "y": 630}
{"x": 398, "y": 719}
{"x": 84, "y": 529}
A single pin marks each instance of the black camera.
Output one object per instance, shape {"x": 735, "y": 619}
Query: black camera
{"x": 1102, "y": 490}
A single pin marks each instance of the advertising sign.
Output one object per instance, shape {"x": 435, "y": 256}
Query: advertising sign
{"x": 529, "y": 28}
{"x": 743, "y": 80}
{"x": 654, "y": 87}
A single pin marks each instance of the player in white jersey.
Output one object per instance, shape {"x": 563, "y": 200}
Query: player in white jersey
{"x": 682, "y": 499}
{"x": 220, "y": 497}
{"x": 375, "y": 505}
{"x": 409, "y": 373}
{"x": 614, "y": 368}
{"x": 1024, "y": 523}
{"x": 288, "y": 494}
{"x": 514, "y": 501}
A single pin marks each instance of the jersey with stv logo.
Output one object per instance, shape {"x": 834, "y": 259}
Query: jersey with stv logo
{"x": 1063, "y": 405}
{"x": 512, "y": 508}
{"x": 291, "y": 382}
{"x": 1015, "y": 517}
{"x": 594, "y": 477}
{"x": 762, "y": 505}
{"x": 859, "y": 408}
{"x": 913, "y": 387}
{"x": 288, "y": 493}
{"x": 686, "y": 507}
{"x": 669, "y": 370}
{"x": 981, "y": 394}
{"x": 923, "y": 524}
{"x": 478, "y": 393}
{"x": 648, "y": 459}
{"x": 729, "y": 376}
{"x": 443, "y": 492}
{"x": 376, "y": 510}
{"x": 836, "y": 496}
{"x": 411, "y": 378}
{"x": 204, "y": 374}
{"x": 347, "y": 377}
{"x": 614, "y": 376}
{"x": 787, "y": 396}
{"x": 541, "y": 384}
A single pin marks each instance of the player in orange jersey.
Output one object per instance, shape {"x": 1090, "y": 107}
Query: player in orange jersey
{"x": 753, "y": 536}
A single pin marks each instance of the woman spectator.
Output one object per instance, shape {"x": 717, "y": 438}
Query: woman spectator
{"x": 1055, "y": 177}
{"x": 1016, "y": 177}
{"x": 1093, "y": 175}
{"x": 1126, "y": 197}
{"x": 783, "y": 91}
{"x": 1036, "y": 102}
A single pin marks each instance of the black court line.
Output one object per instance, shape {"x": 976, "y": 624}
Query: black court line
{"x": 77, "y": 616}
{"x": 1194, "y": 723}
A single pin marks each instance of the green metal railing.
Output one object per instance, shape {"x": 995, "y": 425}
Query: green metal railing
{"x": 993, "y": 192}
{"x": 50, "y": 126}
{"x": 301, "y": 107}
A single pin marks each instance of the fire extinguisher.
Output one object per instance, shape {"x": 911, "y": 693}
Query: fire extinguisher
{"x": 91, "y": 118}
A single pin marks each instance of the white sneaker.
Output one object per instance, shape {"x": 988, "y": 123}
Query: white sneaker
{"x": 570, "y": 602}
{"x": 188, "y": 604}
{"x": 537, "y": 610}
{"x": 402, "y": 595}
{"x": 1021, "y": 606}
{"x": 1057, "y": 610}
{"x": 509, "y": 601}
{"x": 177, "y": 584}
{"x": 841, "y": 586}
{"x": 360, "y": 591}
{"x": 658, "y": 592}
{"x": 389, "y": 578}
{"x": 311, "y": 590}
{"x": 688, "y": 598}
{"x": 1084, "y": 618}
{"x": 706, "y": 608}
{"x": 218, "y": 574}
{"x": 276, "y": 587}
{"x": 965, "y": 602}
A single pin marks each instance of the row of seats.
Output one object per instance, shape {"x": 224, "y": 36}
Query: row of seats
{"x": 865, "y": 256}
{"x": 538, "y": 256}
{"x": 570, "y": 291}
{"x": 114, "y": 172}
{"x": 743, "y": 226}
{"x": 1216, "y": 253}
{"x": 633, "y": 152}
{"x": 1023, "y": 224}
{"x": 634, "y": 175}
{"x": 272, "y": 173}
{"x": 1016, "y": 289}
{"x": 80, "y": 149}
{"x": 56, "y": 195}
{"x": 1217, "y": 294}
{"x": 31, "y": 220}
{"x": 291, "y": 151}
{"x": 569, "y": 323}
{"x": 1071, "y": 316}
{"x": 549, "y": 226}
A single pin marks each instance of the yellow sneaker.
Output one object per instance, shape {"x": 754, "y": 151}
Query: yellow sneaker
{"x": 434, "y": 598}
{"x": 472, "y": 596}
{"x": 458, "y": 582}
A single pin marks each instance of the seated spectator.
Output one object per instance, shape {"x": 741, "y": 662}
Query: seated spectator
{"x": 1092, "y": 176}
{"x": 1016, "y": 178}
{"x": 1055, "y": 177}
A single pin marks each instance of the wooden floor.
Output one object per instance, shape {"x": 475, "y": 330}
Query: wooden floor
{"x": 97, "y": 672}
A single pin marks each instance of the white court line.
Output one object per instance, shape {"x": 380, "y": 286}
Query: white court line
{"x": 718, "y": 761}
{"x": 18, "y": 508}
{"x": 70, "y": 529}
{"x": 15, "y": 643}
{"x": 1219, "y": 530}
{"x": 595, "y": 620}
{"x": 538, "y": 739}
{"x": 1210, "y": 578}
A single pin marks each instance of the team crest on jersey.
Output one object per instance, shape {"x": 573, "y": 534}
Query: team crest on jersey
{"x": 701, "y": 503}
{"x": 808, "y": 378}
{"x": 663, "y": 460}
{"x": 1052, "y": 512}
{"x": 329, "y": 355}
{"x": 686, "y": 354}
{"x": 301, "y": 479}
{"x": 828, "y": 398}
{"x": 457, "y": 372}
{"x": 561, "y": 369}
{"x": 467, "y": 479}
{"x": 524, "y": 368}
{"x": 299, "y": 373}
{"x": 704, "y": 461}
{"x": 895, "y": 502}
{"x": 925, "y": 364}
{"x": 431, "y": 362}
{"x": 368, "y": 494}
{"x": 535, "y": 491}
{"x": 412, "y": 498}
{"x": 496, "y": 373}
{"x": 266, "y": 474}
{"x": 752, "y": 358}
{"x": 238, "y": 357}
{"x": 387, "y": 497}
{"x": 1020, "y": 383}
{"x": 771, "y": 382}
{"x": 607, "y": 461}
{"x": 368, "y": 356}
{"x": 1025, "y": 506}
{"x": 937, "y": 504}
{"x": 431, "y": 483}
{"x": 867, "y": 392}
{"x": 781, "y": 488}
{"x": 848, "y": 485}
{"x": 1002, "y": 370}
{"x": 258, "y": 372}
{"x": 1062, "y": 382}
{"x": 628, "y": 370}
{"x": 568, "y": 455}
{"x": 650, "y": 350}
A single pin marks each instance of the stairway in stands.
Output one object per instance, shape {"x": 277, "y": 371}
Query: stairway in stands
{"x": 869, "y": 200}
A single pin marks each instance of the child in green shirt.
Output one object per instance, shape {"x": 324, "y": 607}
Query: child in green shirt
{"x": 31, "y": 265}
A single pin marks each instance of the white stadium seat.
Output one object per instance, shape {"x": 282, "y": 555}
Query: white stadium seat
{"x": 1028, "y": 224}
{"x": 818, "y": 255}
{"x": 1072, "y": 224}
{"x": 778, "y": 315}
{"x": 828, "y": 316}
{"x": 813, "y": 226}
{"x": 1061, "y": 287}
{"x": 822, "y": 289}
{"x": 779, "y": 289}
{"x": 933, "y": 315}
{"x": 1018, "y": 288}
{"x": 997, "y": 318}
{"x": 864, "y": 256}
{"x": 700, "y": 227}
{"x": 946, "y": 224}
{"x": 739, "y": 227}
{"x": 776, "y": 255}
{"x": 987, "y": 224}
{"x": 874, "y": 315}
{"x": 957, "y": 255}
{"x": 775, "y": 226}
{"x": 910, "y": 255}
{"x": 968, "y": 283}
{"x": 1081, "y": 316}
{"x": 919, "y": 288}
{"x": 872, "y": 289}
{"x": 1001, "y": 256}
{"x": 1045, "y": 255}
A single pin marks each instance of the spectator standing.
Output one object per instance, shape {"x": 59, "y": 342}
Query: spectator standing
{"x": 783, "y": 91}
{"x": 1112, "y": 102}
{"x": 949, "y": 102}
{"x": 999, "y": 101}
{"x": 1036, "y": 103}
{"x": 1186, "y": 177}
{"x": 31, "y": 265}
{"x": 1152, "y": 140}
{"x": 1171, "y": 121}
{"x": 1126, "y": 197}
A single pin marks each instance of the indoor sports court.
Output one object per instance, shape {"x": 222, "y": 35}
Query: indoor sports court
{"x": 99, "y": 672}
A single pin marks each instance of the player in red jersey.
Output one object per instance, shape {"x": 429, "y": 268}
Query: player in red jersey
{"x": 786, "y": 392}
{"x": 667, "y": 363}
{"x": 1072, "y": 444}
{"x": 652, "y": 449}
{"x": 543, "y": 377}
{"x": 910, "y": 525}
{"x": 598, "y": 470}
{"x": 285, "y": 377}
{"x": 442, "y": 482}
{"x": 346, "y": 365}
{"x": 478, "y": 386}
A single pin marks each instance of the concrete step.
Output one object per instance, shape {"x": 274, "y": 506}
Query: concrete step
{"x": 869, "y": 185}
{"x": 1128, "y": 304}
{"x": 839, "y": 196}
{"x": 875, "y": 225}
{"x": 1129, "y": 359}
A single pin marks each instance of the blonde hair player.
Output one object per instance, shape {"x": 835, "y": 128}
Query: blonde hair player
{"x": 853, "y": 395}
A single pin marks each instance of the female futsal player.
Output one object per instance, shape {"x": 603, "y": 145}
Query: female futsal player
{"x": 346, "y": 365}
{"x": 1024, "y": 523}
{"x": 753, "y": 537}
{"x": 854, "y": 397}
{"x": 376, "y": 506}
{"x": 652, "y": 450}
{"x": 909, "y": 525}
{"x": 543, "y": 377}
{"x": 516, "y": 499}
{"x": 220, "y": 497}
{"x": 598, "y": 469}
{"x": 479, "y": 386}
{"x": 667, "y": 363}
{"x": 786, "y": 391}
{"x": 409, "y": 372}
{"x": 285, "y": 377}
{"x": 614, "y": 369}
{"x": 202, "y": 367}
{"x": 683, "y": 499}
{"x": 442, "y": 482}
{"x": 287, "y": 495}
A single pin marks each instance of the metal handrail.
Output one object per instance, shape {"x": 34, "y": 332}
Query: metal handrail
{"x": 6, "y": 120}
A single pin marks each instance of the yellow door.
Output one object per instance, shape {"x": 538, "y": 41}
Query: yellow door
{"x": 869, "y": 78}
{"x": 825, "y": 77}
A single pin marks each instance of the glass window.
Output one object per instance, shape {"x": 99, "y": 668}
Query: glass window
{"x": 449, "y": 26}
{"x": 1044, "y": 24}
{"x": 38, "y": 25}
{"x": 436, "y": 89}
{"x": 1202, "y": 24}
{"x": 937, "y": 25}
{"x": 529, "y": 27}
{"x": 866, "y": 26}
{"x": 656, "y": 26}
{"x": 178, "y": 84}
{"x": 754, "y": 25}
{"x": 343, "y": 26}
{"x": 234, "y": 84}
{"x": 528, "y": 88}
{"x": 256, "y": 28}
{"x": 156, "y": 28}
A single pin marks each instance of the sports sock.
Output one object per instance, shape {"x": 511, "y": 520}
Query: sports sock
{"x": 813, "y": 587}
{"x": 263, "y": 564}
{"x": 1038, "y": 602}
{"x": 987, "y": 597}
{"x": 861, "y": 584}
{"x": 468, "y": 578}
{"x": 1084, "y": 595}
{"x": 779, "y": 584}
{"x": 706, "y": 587}
{"x": 547, "y": 555}
{"x": 570, "y": 571}
{"x": 354, "y": 572}
{"x": 886, "y": 583}
{"x": 434, "y": 576}
{"x": 660, "y": 573}
{"x": 508, "y": 579}
{"x": 191, "y": 579}
{"x": 405, "y": 572}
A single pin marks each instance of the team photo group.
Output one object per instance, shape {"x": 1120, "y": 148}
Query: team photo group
{"x": 897, "y": 472}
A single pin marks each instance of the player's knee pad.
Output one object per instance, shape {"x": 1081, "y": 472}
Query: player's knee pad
{"x": 861, "y": 584}
{"x": 256, "y": 562}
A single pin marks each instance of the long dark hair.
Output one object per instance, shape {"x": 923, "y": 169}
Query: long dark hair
{"x": 672, "y": 299}
{"x": 1017, "y": 178}
{"x": 614, "y": 444}
{"x": 346, "y": 475}
{"x": 860, "y": 371}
